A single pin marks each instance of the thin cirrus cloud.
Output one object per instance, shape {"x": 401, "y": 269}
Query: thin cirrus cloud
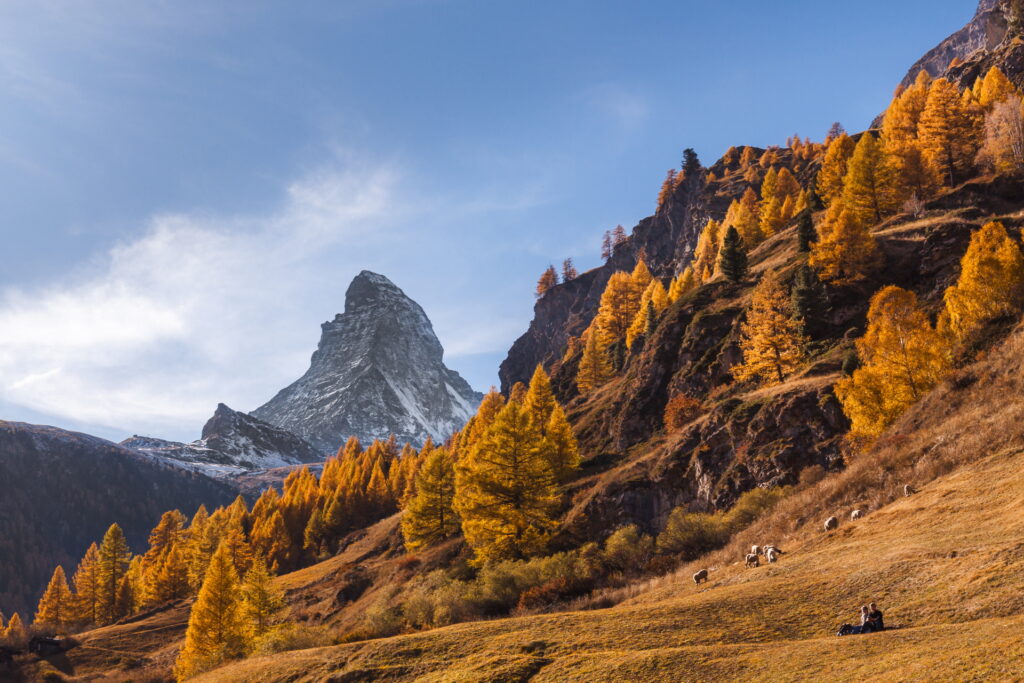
{"x": 194, "y": 310}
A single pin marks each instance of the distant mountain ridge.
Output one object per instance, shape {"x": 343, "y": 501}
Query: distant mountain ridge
{"x": 378, "y": 370}
{"x": 62, "y": 489}
{"x": 231, "y": 443}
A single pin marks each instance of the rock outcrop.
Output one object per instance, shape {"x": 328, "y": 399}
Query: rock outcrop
{"x": 984, "y": 32}
{"x": 377, "y": 371}
{"x": 231, "y": 443}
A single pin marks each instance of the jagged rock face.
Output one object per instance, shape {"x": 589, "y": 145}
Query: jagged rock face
{"x": 377, "y": 371}
{"x": 666, "y": 239}
{"x": 231, "y": 443}
{"x": 984, "y": 32}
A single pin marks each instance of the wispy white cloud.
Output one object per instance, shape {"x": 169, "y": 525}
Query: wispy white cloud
{"x": 196, "y": 309}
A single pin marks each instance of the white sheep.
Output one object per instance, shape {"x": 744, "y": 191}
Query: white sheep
{"x": 908, "y": 490}
{"x": 702, "y": 575}
{"x": 755, "y": 550}
{"x": 778, "y": 551}
{"x": 856, "y": 514}
{"x": 753, "y": 561}
{"x": 831, "y": 524}
{"x": 772, "y": 554}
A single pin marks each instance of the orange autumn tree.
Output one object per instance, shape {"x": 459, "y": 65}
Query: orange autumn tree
{"x": 902, "y": 357}
{"x": 772, "y": 340}
{"x": 991, "y": 282}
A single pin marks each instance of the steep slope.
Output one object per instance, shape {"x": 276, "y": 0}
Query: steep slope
{"x": 231, "y": 443}
{"x": 945, "y": 566}
{"x": 377, "y": 371}
{"x": 63, "y": 489}
{"x": 666, "y": 240}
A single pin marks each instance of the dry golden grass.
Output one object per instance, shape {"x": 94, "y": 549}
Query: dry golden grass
{"x": 946, "y": 565}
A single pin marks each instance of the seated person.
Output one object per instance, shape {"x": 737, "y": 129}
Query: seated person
{"x": 875, "y": 617}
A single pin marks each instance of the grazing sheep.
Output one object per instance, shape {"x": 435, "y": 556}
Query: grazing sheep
{"x": 856, "y": 514}
{"x": 775, "y": 548}
{"x": 772, "y": 554}
{"x": 753, "y": 561}
{"x": 831, "y": 524}
{"x": 908, "y": 490}
{"x": 702, "y": 575}
{"x": 755, "y": 550}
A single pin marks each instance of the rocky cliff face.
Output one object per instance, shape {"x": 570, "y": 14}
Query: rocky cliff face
{"x": 377, "y": 371}
{"x": 984, "y": 32}
{"x": 666, "y": 239}
{"x": 231, "y": 443}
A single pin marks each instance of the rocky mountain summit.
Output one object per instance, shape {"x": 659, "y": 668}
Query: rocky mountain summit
{"x": 231, "y": 443}
{"x": 377, "y": 371}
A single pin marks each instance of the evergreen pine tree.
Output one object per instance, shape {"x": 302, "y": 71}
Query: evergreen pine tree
{"x": 809, "y": 302}
{"x": 732, "y": 260}
{"x": 805, "y": 233}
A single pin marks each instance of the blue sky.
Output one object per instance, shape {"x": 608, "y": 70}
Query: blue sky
{"x": 189, "y": 186}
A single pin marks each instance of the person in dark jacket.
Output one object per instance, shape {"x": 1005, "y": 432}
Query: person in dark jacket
{"x": 875, "y": 617}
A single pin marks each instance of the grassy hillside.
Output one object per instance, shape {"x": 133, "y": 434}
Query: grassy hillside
{"x": 946, "y": 565}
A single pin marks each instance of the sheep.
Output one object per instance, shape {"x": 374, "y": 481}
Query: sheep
{"x": 702, "y": 575}
{"x": 752, "y": 560}
{"x": 908, "y": 490}
{"x": 856, "y": 514}
{"x": 775, "y": 548}
{"x": 831, "y": 524}
{"x": 772, "y": 554}
{"x": 756, "y": 550}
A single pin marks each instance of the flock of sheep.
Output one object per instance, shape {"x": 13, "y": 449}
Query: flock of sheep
{"x": 772, "y": 552}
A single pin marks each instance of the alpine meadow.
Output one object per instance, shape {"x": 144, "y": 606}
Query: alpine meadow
{"x": 774, "y": 431}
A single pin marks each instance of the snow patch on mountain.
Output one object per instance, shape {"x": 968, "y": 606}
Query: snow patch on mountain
{"x": 378, "y": 370}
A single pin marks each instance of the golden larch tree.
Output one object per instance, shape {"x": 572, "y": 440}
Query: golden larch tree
{"x": 560, "y": 447}
{"x": 548, "y": 279}
{"x": 991, "y": 282}
{"x": 429, "y": 516}
{"x": 995, "y": 88}
{"x": 1003, "y": 148}
{"x": 55, "y": 608}
{"x": 86, "y": 580}
{"x": 947, "y": 132}
{"x": 505, "y": 490}
{"x": 262, "y": 600}
{"x": 845, "y": 251}
{"x": 595, "y": 367}
{"x": 111, "y": 565}
{"x": 656, "y": 295}
{"x": 772, "y": 341}
{"x": 216, "y": 625}
{"x": 619, "y": 303}
{"x": 902, "y": 357}
{"x": 870, "y": 186}
{"x": 833, "y": 168}
{"x": 681, "y": 284}
{"x": 705, "y": 254}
